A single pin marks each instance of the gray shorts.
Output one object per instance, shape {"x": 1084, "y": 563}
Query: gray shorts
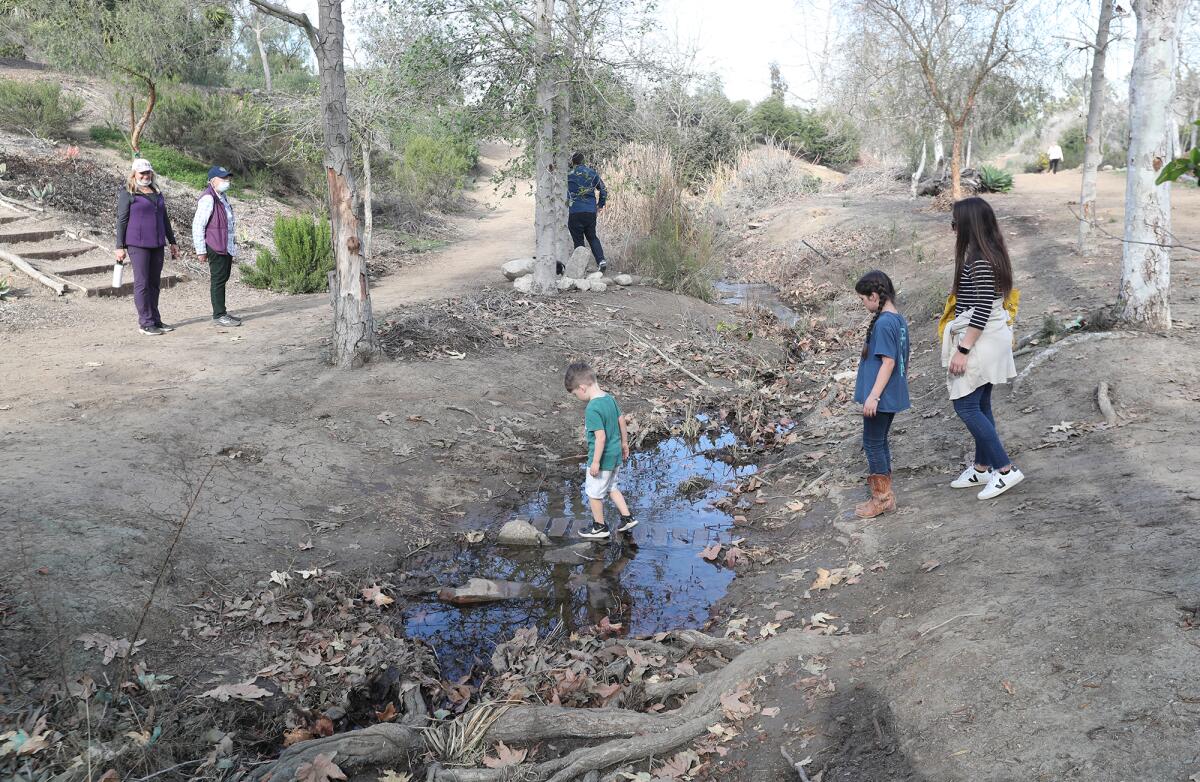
{"x": 599, "y": 487}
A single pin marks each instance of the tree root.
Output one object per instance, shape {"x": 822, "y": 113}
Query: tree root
{"x": 384, "y": 744}
{"x": 1049, "y": 352}
{"x": 1105, "y": 404}
{"x": 634, "y": 735}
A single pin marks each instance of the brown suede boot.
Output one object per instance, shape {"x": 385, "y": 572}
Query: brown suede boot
{"x": 882, "y": 500}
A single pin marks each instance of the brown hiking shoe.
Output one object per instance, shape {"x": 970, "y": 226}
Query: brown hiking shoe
{"x": 882, "y": 500}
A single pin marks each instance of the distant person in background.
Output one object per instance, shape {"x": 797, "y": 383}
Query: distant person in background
{"x": 143, "y": 230}
{"x": 583, "y": 183}
{"x": 215, "y": 241}
{"x": 1055, "y": 154}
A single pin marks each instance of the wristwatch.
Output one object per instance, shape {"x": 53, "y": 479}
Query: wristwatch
{"x": 964, "y": 351}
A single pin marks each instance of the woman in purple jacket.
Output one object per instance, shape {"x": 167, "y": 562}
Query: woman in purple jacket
{"x": 143, "y": 230}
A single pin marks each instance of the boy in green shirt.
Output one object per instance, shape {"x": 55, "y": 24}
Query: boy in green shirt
{"x": 608, "y": 444}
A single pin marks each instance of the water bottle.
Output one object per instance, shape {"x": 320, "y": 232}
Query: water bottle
{"x": 118, "y": 273}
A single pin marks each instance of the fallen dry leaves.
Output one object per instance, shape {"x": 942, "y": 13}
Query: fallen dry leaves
{"x": 320, "y": 769}
{"x": 246, "y": 691}
{"x": 505, "y": 756}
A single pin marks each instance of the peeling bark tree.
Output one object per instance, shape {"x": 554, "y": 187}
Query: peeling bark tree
{"x": 353, "y": 324}
{"x": 1146, "y": 257}
{"x": 1091, "y": 153}
{"x": 956, "y": 47}
{"x": 546, "y": 211}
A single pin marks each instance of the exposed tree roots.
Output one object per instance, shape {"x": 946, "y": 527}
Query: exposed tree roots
{"x": 1049, "y": 352}
{"x": 627, "y": 735}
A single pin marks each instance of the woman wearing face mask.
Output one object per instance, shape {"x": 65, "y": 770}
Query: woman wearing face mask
{"x": 214, "y": 240}
{"x": 143, "y": 230}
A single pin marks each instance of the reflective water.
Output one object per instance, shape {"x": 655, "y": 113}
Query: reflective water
{"x": 652, "y": 579}
{"x": 757, "y": 294}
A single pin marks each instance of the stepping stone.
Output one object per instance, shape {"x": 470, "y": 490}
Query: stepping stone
{"x": 659, "y": 536}
{"x": 682, "y": 535}
{"x": 558, "y": 527}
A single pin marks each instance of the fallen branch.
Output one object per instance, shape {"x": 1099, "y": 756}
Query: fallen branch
{"x": 672, "y": 361}
{"x": 1105, "y": 404}
{"x": 1049, "y": 352}
{"x": 56, "y": 284}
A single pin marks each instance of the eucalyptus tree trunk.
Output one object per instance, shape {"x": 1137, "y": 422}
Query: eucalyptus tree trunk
{"x": 970, "y": 138}
{"x": 1091, "y": 151}
{"x": 1195, "y": 115}
{"x": 262, "y": 56}
{"x": 368, "y": 197}
{"x": 1146, "y": 258}
{"x": 546, "y": 211}
{"x": 354, "y": 341}
{"x": 353, "y": 323}
{"x": 939, "y": 151}
{"x": 956, "y": 148}
{"x": 916, "y": 177}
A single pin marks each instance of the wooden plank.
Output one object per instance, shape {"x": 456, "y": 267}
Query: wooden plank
{"x": 79, "y": 271}
{"x": 39, "y": 235}
{"x": 55, "y": 253}
{"x": 166, "y": 281}
{"x": 57, "y": 285}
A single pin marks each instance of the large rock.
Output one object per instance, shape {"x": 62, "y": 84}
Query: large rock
{"x": 596, "y": 276}
{"x": 564, "y": 283}
{"x": 518, "y": 268}
{"x": 524, "y": 284}
{"x": 598, "y": 286}
{"x": 623, "y": 279}
{"x": 519, "y": 532}
{"x": 484, "y": 590}
{"x": 582, "y": 285}
{"x": 578, "y": 262}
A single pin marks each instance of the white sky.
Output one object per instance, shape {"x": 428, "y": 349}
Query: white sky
{"x": 737, "y": 39}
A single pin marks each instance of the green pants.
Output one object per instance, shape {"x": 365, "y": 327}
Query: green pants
{"x": 219, "y": 267}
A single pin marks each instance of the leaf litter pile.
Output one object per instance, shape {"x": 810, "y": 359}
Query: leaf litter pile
{"x": 315, "y": 666}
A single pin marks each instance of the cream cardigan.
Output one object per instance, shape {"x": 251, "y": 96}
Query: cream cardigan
{"x": 991, "y": 357}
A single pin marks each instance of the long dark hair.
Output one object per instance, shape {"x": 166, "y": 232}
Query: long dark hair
{"x": 978, "y": 236}
{"x": 875, "y": 282}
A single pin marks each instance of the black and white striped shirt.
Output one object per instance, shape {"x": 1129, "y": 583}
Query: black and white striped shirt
{"x": 977, "y": 289}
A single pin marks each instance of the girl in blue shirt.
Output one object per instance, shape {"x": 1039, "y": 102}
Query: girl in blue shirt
{"x": 881, "y": 386}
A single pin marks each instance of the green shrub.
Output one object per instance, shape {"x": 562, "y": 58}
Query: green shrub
{"x": 168, "y": 162}
{"x": 1073, "y": 141}
{"x": 302, "y": 259}
{"x": 822, "y": 137}
{"x": 433, "y": 168}
{"x": 995, "y": 180}
{"x": 37, "y": 107}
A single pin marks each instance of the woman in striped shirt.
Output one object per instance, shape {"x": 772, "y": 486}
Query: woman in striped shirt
{"x": 977, "y": 345}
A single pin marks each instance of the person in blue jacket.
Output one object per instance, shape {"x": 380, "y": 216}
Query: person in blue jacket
{"x": 583, "y": 184}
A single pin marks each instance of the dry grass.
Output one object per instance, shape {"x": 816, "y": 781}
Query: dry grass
{"x": 764, "y": 175}
{"x": 658, "y": 229}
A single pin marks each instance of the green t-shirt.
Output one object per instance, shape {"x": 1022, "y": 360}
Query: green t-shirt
{"x": 603, "y": 413}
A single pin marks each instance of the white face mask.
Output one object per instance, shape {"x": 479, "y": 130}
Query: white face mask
{"x": 145, "y": 181}
{"x": 222, "y": 185}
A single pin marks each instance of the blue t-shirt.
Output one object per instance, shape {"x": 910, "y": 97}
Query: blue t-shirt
{"x": 888, "y": 338}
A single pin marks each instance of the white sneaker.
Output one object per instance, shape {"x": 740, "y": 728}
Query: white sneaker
{"x": 1001, "y": 482}
{"x": 971, "y": 479}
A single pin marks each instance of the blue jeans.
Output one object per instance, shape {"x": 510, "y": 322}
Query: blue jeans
{"x": 875, "y": 443}
{"x": 975, "y": 410}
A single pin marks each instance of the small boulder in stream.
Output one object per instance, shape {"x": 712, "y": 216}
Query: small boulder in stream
{"x": 519, "y": 532}
{"x": 484, "y": 590}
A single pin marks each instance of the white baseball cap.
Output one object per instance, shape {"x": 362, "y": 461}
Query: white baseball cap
{"x": 141, "y": 165}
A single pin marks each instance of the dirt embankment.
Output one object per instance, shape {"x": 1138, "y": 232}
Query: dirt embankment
{"x": 1048, "y": 635}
